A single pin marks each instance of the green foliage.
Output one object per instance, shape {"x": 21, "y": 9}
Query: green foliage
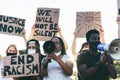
{"x": 117, "y": 66}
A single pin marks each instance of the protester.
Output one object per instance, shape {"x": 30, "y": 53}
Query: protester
{"x": 83, "y": 48}
{"x": 60, "y": 67}
{"x": 85, "y": 45}
{"x": 33, "y": 47}
{"x": 93, "y": 65}
{"x": 11, "y": 50}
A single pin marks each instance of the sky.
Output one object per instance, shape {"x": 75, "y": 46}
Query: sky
{"x": 26, "y": 9}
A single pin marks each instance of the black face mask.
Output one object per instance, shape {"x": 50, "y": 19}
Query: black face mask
{"x": 94, "y": 45}
{"x": 10, "y": 54}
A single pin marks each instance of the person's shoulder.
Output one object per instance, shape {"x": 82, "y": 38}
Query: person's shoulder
{"x": 84, "y": 53}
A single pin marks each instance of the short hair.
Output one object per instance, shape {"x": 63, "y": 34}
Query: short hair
{"x": 92, "y": 31}
{"x": 36, "y": 43}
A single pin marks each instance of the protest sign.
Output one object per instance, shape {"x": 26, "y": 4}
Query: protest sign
{"x": 11, "y": 25}
{"x": 86, "y": 21}
{"x": 21, "y": 65}
{"x": 46, "y": 23}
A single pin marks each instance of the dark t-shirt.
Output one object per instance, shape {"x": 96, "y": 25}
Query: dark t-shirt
{"x": 90, "y": 59}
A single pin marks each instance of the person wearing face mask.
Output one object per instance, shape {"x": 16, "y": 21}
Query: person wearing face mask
{"x": 33, "y": 47}
{"x": 93, "y": 65}
{"x": 11, "y": 50}
{"x": 57, "y": 65}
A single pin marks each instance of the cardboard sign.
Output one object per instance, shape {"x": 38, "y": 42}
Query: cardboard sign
{"x": 21, "y": 65}
{"x": 46, "y": 23}
{"x": 86, "y": 21}
{"x": 11, "y": 25}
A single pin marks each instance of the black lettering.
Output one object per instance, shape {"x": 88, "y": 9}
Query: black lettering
{"x": 30, "y": 59}
{"x": 3, "y": 28}
{"x": 43, "y": 12}
{"x": 35, "y": 68}
{"x": 11, "y": 20}
{"x": 1, "y": 17}
{"x": 39, "y": 19}
{"x": 10, "y": 29}
{"x": 40, "y": 12}
{"x": 21, "y": 60}
{"x": 18, "y": 69}
{"x": 23, "y": 70}
{"x": 28, "y": 67}
{"x": 44, "y": 19}
{"x": 41, "y": 26}
{"x": 15, "y": 20}
{"x": 49, "y": 20}
{"x": 44, "y": 33}
{"x": 13, "y": 60}
{"x": 48, "y": 12}
{"x": 13, "y": 71}
{"x": 18, "y": 30}
{"x": 53, "y": 27}
{"x": 5, "y": 18}
{"x": 36, "y": 33}
{"x": 21, "y": 22}
{"x": 7, "y": 70}
{"x": 52, "y": 33}
{"x": 36, "y": 25}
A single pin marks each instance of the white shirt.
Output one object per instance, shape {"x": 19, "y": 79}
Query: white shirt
{"x": 55, "y": 71}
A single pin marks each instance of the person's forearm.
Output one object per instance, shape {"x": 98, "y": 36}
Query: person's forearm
{"x": 25, "y": 39}
{"x": 112, "y": 70}
{"x": 67, "y": 70}
{"x": 88, "y": 72}
{"x": 44, "y": 69}
{"x": 74, "y": 49}
{"x": 44, "y": 72}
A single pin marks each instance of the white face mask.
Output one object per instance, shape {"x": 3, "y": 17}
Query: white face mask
{"x": 31, "y": 51}
{"x": 57, "y": 54}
